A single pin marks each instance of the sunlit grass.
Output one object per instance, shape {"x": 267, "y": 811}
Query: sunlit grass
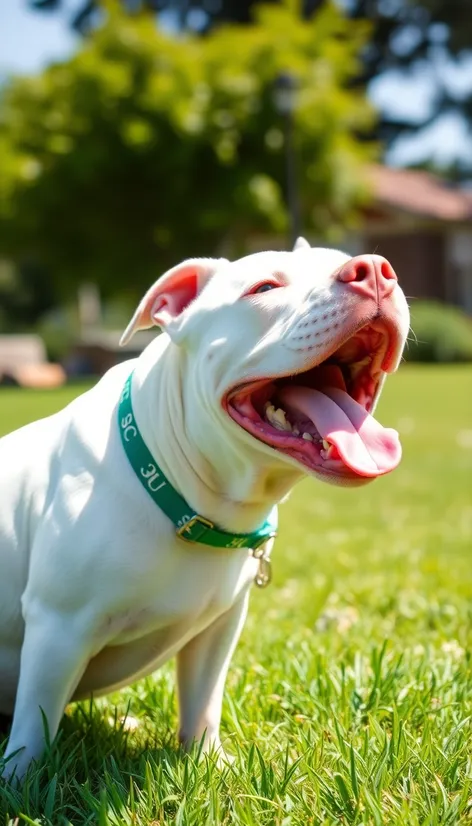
{"x": 349, "y": 699}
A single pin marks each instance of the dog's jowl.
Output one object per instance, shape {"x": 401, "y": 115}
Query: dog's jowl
{"x": 133, "y": 522}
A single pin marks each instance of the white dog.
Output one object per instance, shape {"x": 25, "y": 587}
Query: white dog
{"x": 133, "y": 522}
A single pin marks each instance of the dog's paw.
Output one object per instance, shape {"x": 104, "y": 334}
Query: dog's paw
{"x": 222, "y": 759}
{"x": 12, "y": 772}
{"x": 217, "y": 755}
{"x": 208, "y": 748}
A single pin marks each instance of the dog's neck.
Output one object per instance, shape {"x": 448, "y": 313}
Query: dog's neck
{"x": 230, "y": 483}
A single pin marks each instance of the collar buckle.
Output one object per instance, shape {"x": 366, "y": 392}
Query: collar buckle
{"x": 195, "y": 522}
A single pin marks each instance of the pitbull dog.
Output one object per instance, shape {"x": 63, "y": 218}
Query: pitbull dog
{"x": 269, "y": 369}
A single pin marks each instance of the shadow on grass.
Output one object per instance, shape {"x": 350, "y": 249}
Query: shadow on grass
{"x": 95, "y": 769}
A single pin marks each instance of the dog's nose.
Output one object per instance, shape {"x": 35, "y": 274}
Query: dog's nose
{"x": 371, "y": 276}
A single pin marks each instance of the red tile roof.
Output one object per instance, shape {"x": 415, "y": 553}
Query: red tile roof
{"x": 420, "y": 193}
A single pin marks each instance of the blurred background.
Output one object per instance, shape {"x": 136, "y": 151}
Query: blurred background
{"x": 135, "y": 133}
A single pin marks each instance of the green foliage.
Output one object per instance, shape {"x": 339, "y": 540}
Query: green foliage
{"x": 406, "y": 36}
{"x": 145, "y": 148}
{"x": 349, "y": 697}
{"x": 441, "y": 333}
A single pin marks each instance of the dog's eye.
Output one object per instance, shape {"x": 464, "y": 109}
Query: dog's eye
{"x": 265, "y": 287}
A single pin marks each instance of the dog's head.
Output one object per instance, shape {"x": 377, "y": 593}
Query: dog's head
{"x": 286, "y": 354}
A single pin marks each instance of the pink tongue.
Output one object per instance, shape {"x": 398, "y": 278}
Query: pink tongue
{"x": 363, "y": 444}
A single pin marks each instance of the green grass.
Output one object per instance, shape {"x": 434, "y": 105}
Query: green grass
{"x": 349, "y": 699}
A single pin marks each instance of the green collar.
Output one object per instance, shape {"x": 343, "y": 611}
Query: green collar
{"x": 190, "y": 526}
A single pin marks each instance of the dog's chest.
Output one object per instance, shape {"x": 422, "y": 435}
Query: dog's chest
{"x": 142, "y": 636}
{"x": 187, "y": 588}
{"x": 135, "y": 653}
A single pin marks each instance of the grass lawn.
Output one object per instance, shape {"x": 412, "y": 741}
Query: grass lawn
{"x": 349, "y": 699}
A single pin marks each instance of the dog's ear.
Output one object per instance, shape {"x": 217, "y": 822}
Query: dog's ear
{"x": 301, "y": 243}
{"x": 171, "y": 294}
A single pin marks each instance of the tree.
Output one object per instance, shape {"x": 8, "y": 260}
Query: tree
{"x": 410, "y": 35}
{"x": 405, "y": 35}
{"x": 144, "y": 148}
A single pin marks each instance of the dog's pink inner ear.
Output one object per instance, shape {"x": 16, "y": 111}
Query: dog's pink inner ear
{"x": 166, "y": 305}
{"x": 170, "y": 295}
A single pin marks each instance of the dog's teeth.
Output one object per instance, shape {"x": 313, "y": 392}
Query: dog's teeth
{"x": 295, "y": 431}
{"x": 270, "y": 413}
{"x": 280, "y": 417}
{"x": 277, "y": 418}
{"x": 308, "y": 437}
{"x": 285, "y": 428}
{"x": 329, "y": 451}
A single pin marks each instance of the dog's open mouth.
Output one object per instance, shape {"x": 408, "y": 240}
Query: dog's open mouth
{"x": 321, "y": 417}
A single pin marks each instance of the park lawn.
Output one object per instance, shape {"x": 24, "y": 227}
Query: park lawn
{"x": 349, "y": 698}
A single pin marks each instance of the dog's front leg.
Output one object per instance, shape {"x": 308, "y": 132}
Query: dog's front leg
{"x": 202, "y": 666}
{"x": 54, "y": 655}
